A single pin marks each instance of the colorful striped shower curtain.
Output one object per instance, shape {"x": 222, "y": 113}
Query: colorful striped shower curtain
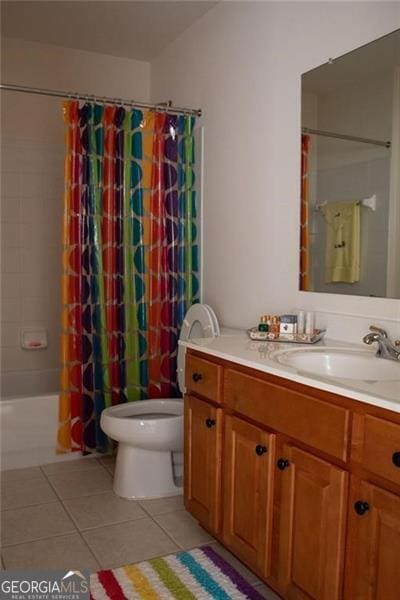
{"x": 304, "y": 282}
{"x": 130, "y": 261}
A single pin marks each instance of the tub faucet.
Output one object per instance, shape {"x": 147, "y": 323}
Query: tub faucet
{"x": 386, "y": 348}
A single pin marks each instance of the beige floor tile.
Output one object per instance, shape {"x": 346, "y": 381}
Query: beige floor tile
{"x": 236, "y": 564}
{"x": 183, "y": 529}
{"x": 69, "y": 466}
{"x": 130, "y": 542}
{"x": 266, "y": 592}
{"x": 65, "y": 552}
{"x": 108, "y": 462}
{"x": 19, "y": 493}
{"x": 81, "y": 483}
{"x": 34, "y": 522}
{"x": 160, "y": 506}
{"x": 102, "y": 509}
{"x": 21, "y": 475}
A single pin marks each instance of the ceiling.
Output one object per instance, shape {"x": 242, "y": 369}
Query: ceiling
{"x": 129, "y": 29}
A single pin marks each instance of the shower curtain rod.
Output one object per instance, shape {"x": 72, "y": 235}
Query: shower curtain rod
{"x": 350, "y": 138}
{"x": 165, "y": 106}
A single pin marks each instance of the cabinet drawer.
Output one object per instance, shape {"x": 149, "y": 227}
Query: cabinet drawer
{"x": 376, "y": 446}
{"x": 316, "y": 423}
{"x": 203, "y": 377}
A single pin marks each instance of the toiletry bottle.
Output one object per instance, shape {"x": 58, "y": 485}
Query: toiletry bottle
{"x": 263, "y": 324}
{"x": 277, "y": 325}
{"x": 300, "y": 322}
{"x": 274, "y": 329}
{"x": 309, "y": 323}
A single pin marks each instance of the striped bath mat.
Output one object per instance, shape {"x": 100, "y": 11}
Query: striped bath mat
{"x": 196, "y": 574}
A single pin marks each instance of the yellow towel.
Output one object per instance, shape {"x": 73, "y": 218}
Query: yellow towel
{"x": 342, "y": 249}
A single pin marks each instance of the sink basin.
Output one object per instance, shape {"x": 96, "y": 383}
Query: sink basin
{"x": 343, "y": 363}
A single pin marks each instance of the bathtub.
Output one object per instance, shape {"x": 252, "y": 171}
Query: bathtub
{"x": 29, "y": 431}
{"x": 28, "y": 434}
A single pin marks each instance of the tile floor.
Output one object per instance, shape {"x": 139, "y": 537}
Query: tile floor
{"x": 65, "y": 515}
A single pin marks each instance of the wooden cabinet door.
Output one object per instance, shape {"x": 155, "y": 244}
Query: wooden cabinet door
{"x": 248, "y": 466}
{"x": 202, "y": 464}
{"x": 373, "y": 564}
{"x": 312, "y": 506}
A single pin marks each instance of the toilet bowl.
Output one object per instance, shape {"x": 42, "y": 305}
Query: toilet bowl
{"x": 148, "y": 432}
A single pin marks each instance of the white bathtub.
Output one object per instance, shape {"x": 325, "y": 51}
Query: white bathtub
{"x": 29, "y": 432}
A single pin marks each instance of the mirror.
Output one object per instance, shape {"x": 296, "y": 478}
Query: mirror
{"x": 350, "y": 173}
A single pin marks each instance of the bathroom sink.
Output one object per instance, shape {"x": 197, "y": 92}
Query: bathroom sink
{"x": 343, "y": 363}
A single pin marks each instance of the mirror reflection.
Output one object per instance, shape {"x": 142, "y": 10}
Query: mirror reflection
{"x": 350, "y": 173}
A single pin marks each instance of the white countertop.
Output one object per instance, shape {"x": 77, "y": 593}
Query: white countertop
{"x": 235, "y": 346}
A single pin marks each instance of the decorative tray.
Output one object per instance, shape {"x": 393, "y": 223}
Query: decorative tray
{"x": 288, "y": 338}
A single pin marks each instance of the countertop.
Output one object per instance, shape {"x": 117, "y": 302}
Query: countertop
{"x": 235, "y": 346}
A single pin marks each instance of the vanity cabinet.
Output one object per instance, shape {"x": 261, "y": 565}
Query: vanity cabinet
{"x": 202, "y": 448}
{"x": 312, "y": 502}
{"x": 249, "y": 454}
{"x": 374, "y": 543}
{"x": 300, "y": 484}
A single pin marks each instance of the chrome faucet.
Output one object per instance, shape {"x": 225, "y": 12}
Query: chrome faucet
{"x": 386, "y": 348}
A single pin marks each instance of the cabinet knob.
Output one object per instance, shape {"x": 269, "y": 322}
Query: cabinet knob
{"x": 210, "y": 423}
{"x": 197, "y": 377}
{"x": 361, "y": 507}
{"x": 396, "y": 459}
{"x": 283, "y": 463}
{"x": 260, "y": 450}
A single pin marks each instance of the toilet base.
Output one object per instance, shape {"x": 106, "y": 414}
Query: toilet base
{"x": 143, "y": 473}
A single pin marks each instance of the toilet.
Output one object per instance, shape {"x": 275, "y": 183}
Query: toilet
{"x": 148, "y": 432}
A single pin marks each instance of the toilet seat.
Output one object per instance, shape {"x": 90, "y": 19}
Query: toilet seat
{"x": 217, "y": 331}
{"x": 202, "y": 316}
{"x": 143, "y": 419}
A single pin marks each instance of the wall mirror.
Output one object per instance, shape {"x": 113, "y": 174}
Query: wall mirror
{"x": 350, "y": 173}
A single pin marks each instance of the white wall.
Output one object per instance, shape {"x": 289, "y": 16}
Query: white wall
{"x": 242, "y": 64}
{"x": 46, "y": 66}
{"x": 32, "y": 170}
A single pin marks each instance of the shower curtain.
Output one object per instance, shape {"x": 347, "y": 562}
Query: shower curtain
{"x": 130, "y": 261}
{"x": 304, "y": 218}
